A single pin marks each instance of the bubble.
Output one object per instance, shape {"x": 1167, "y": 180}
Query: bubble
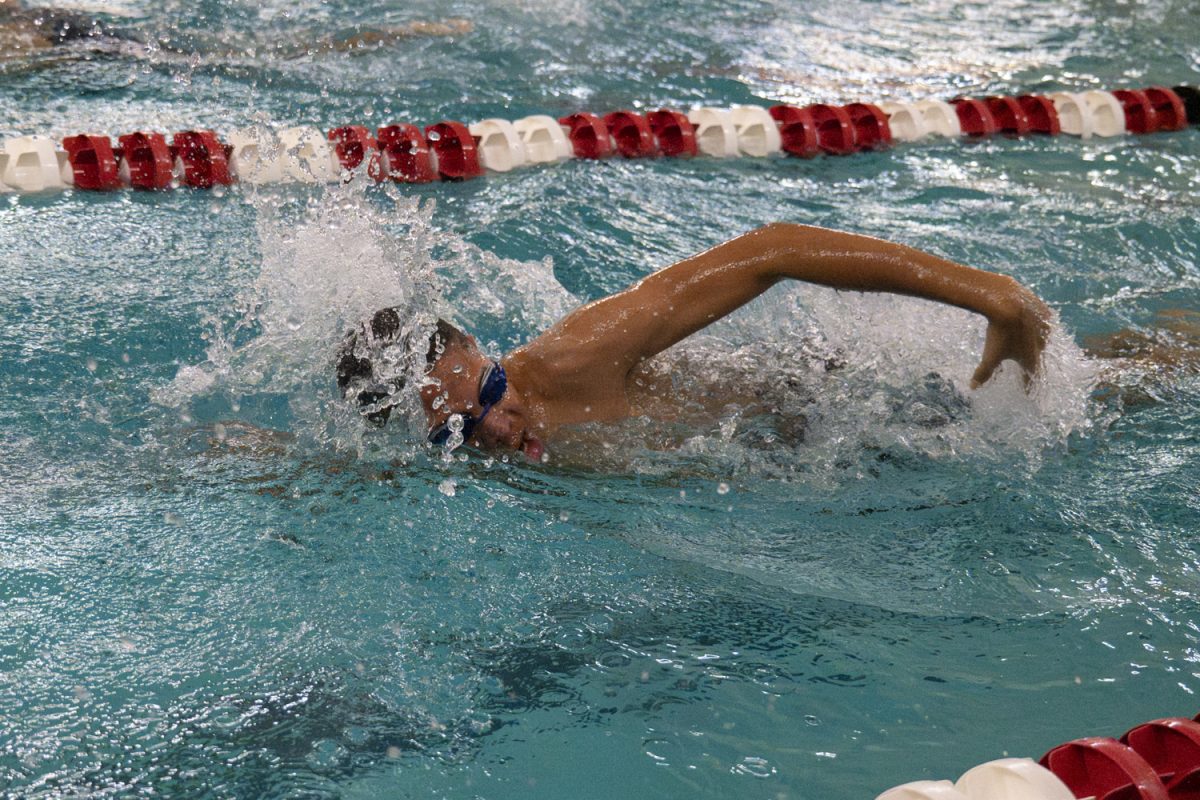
{"x": 448, "y": 487}
{"x": 753, "y": 766}
{"x": 722, "y": 488}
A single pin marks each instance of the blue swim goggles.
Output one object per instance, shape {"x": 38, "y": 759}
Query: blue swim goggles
{"x": 493, "y": 383}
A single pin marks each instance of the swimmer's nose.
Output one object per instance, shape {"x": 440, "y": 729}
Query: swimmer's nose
{"x": 498, "y": 429}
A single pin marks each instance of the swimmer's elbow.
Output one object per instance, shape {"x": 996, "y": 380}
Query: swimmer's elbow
{"x": 789, "y": 232}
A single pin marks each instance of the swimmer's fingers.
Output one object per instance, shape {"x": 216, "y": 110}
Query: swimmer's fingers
{"x": 1019, "y": 335}
{"x": 996, "y": 349}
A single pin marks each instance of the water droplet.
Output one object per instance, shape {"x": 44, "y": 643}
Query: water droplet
{"x": 722, "y": 488}
{"x": 90, "y": 364}
{"x": 394, "y": 752}
{"x": 563, "y": 516}
{"x": 755, "y": 766}
{"x": 447, "y": 487}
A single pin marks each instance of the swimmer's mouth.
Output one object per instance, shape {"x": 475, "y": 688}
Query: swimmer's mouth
{"x": 532, "y": 447}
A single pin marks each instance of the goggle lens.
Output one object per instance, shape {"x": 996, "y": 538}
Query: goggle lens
{"x": 492, "y": 386}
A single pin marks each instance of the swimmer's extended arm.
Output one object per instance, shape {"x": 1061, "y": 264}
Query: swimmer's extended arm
{"x": 623, "y": 329}
{"x": 374, "y": 39}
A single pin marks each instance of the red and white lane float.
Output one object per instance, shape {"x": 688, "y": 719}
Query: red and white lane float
{"x": 1157, "y": 760}
{"x": 544, "y": 138}
{"x": 451, "y": 150}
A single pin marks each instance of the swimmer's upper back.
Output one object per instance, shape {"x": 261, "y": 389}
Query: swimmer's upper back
{"x": 55, "y": 27}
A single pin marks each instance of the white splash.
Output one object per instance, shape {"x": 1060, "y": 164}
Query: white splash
{"x": 328, "y": 264}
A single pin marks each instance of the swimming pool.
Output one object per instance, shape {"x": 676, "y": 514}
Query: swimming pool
{"x": 216, "y": 583}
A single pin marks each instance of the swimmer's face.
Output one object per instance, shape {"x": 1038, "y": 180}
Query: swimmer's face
{"x": 453, "y": 388}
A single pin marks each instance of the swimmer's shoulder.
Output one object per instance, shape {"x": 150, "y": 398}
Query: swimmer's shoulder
{"x": 60, "y": 26}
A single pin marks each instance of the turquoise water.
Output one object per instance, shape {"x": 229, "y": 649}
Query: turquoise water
{"x": 217, "y": 583}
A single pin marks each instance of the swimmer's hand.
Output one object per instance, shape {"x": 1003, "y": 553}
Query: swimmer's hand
{"x": 1017, "y": 330}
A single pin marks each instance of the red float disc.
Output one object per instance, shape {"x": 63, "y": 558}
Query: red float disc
{"x": 1009, "y": 116}
{"x": 1140, "y": 116}
{"x": 352, "y": 144}
{"x": 871, "y": 128}
{"x": 1041, "y": 113}
{"x": 589, "y": 135}
{"x": 93, "y": 162}
{"x": 407, "y": 154}
{"x": 455, "y": 148}
{"x": 797, "y": 130}
{"x": 1098, "y": 767}
{"x": 1168, "y": 107}
{"x": 632, "y": 134}
{"x": 147, "y": 157}
{"x": 835, "y": 131}
{"x": 675, "y": 133}
{"x": 1172, "y": 748}
{"x": 974, "y": 117}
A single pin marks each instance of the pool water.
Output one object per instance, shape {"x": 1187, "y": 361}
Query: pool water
{"x": 217, "y": 582}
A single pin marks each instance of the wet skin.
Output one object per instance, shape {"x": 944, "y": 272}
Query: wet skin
{"x": 586, "y": 368}
{"x": 453, "y": 388}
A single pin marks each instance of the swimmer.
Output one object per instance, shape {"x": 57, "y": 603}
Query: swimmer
{"x": 36, "y": 30}
{"x": 591, "y": 365}
{"x": 24, "y": 31}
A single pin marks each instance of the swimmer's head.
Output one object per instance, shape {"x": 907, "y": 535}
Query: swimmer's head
{"x": 462, "y": 388}
{"x": 372, "y": 361}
